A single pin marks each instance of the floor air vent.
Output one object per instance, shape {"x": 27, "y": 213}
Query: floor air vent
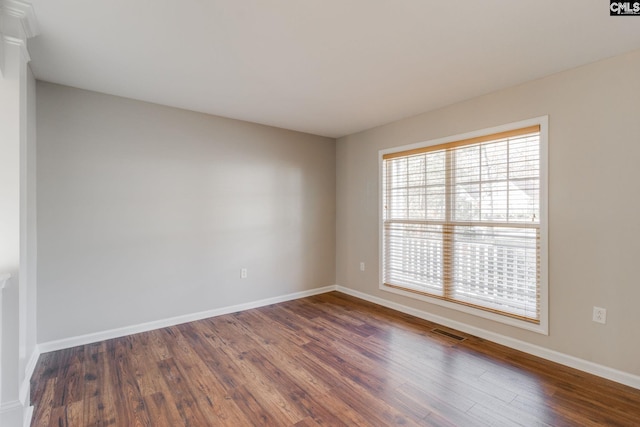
{"x": 448, "y": 334}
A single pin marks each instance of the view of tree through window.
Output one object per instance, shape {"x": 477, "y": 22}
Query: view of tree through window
{"x": 462, "y": 222}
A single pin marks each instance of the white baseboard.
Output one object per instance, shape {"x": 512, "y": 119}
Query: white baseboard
{"x": 149, "y": 326}
{"x": 28, "y": 414}
{"x": 622, "y": 377}
{"x": 25, "y": 387}
{"x": 10, "y": 406}
{"x": 12, "y": 412}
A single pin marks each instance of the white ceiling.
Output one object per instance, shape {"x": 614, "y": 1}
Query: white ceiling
{"x": 328, "y": 67}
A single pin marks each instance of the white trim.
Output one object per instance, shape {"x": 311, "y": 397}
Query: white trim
{"x": 621, "y": 377}
{"x": 10, "y": 406}
{"x": 468, "y": 135}
{"x": 4, "y": 278}
{"x": 543, "y": 326}
{"x": 28, "y": 414}
{"x": 149, "y": 326}
{"x": 19, "y": 43}
{"x": 24, "y": 13}
{"x": 517, "y": 323}
{"x": 25, "y": 387}
{"x": 17, "y": 24}
{"x": 16, "y": 406}
{"x": 612, "y": 374}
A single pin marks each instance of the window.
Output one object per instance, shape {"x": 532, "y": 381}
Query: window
{"x": 463, "y": 223}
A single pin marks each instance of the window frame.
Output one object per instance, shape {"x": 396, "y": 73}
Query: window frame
{"x": 543, "y": 326}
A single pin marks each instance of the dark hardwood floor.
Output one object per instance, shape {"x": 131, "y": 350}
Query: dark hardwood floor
{"x": 324, "y": 360}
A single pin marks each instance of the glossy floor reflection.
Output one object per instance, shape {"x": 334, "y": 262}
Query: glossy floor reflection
{"x": 330, "y": 359}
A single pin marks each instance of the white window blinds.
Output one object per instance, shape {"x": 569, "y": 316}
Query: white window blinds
{"x": 461, "y": 222}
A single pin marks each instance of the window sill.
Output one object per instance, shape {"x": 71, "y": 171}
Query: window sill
{"x": 541, "y": 328}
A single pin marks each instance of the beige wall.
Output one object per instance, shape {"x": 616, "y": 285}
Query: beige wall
{"x": 148, "y": 212}
{"x": 594, "y": 203}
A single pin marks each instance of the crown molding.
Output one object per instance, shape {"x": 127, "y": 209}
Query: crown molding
{"x": 18, "y": 19}
{"x": 4, "y": 278}
{"x": 19, "y": 43}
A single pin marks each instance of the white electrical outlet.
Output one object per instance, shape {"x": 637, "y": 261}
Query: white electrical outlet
{"x": 361, "y": 265}
{"x": 599, "y": 315}
{"x": 243, "y": 273}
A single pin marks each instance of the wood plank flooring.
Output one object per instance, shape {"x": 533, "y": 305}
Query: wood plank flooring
{"x": 330, "y": 360}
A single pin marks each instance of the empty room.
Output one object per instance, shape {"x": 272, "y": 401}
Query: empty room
{"x": 303, "y": 213}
